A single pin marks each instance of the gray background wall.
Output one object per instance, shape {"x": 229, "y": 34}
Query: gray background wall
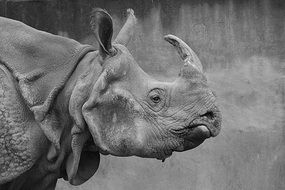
{"x": 241, "y": 44}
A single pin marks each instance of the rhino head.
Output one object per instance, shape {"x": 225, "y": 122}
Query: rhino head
{"x": 127, "y": 112}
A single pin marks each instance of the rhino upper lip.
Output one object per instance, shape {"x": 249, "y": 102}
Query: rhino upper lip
{"x": 187, "y": 129}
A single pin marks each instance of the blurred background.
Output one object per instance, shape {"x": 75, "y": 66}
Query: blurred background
{"x": 241, "y": 44}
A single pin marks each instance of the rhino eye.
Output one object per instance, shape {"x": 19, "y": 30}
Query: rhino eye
{"x": 155, "y": 98}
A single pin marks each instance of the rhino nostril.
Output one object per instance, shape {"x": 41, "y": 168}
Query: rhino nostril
{"x": 209, "y": 115}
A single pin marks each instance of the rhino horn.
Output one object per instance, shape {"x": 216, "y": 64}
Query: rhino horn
{"x": 186, "y": 53}
{"x": 127, "y": 30}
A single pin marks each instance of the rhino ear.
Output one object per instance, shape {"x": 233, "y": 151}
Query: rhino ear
{"x": 102, "y": 26}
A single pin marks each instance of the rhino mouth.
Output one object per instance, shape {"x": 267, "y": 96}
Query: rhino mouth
{"x": 191, "y": 136}
{"x": 198, "y": 130}
{"x": 202, "y": 128}
{"x": 191, "y": 129}
{"x": 208, "y": 123}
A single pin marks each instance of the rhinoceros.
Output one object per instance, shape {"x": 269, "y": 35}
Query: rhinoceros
{"x": 63, "y": 104}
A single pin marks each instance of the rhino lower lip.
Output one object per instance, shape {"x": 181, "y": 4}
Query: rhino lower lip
{"x": 201, "y": 130}
{"x": 204, "y": 130}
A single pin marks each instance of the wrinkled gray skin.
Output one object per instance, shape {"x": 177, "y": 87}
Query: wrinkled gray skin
{"x": 108, "y": 106}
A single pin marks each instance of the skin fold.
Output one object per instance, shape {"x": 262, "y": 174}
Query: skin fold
{"x": 109, "y": 105}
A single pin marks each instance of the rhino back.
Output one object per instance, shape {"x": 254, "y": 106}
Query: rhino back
{"x": 24, "y": 48}
{"x": 41, "y": 60}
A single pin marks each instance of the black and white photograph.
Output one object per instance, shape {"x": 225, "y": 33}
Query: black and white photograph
{"x": 142, "y": 95}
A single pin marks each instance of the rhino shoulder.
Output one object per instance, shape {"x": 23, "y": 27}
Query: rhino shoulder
{"x": 21, "y": 140}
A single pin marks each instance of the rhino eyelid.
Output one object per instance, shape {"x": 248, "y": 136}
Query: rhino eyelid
{"x": 156, "y": 92}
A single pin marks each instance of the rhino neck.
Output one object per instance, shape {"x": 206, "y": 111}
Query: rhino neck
{"x": 69, "y": 105}
{"x": 88, "y": 67}
{"x": 84, "y": 67}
